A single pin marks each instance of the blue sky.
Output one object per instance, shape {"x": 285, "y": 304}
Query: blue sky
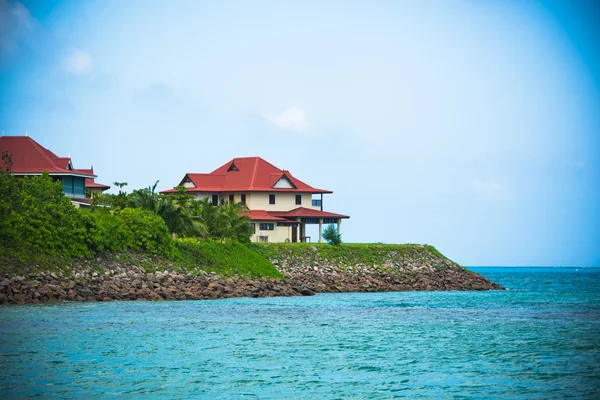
{"x": 470, "y": 125}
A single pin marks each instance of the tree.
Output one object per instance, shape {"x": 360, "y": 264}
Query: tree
{"x": 146, "y": 198}
{"x": 238, "y": 225}
{"x": 177, "y": 212}
{"x": 332, "y": 236}
{"x": 214, "y": 222}
{"x": 115, "y": 201}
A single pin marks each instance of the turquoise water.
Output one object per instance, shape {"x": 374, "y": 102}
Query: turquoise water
{"x": 538, "y": 340}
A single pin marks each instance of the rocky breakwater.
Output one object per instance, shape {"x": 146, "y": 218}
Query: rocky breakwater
{"x": 129, "y": 282}
{"x": 342, "y": 271}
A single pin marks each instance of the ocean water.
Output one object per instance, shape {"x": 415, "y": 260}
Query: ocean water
{"x": 538, "y": 340}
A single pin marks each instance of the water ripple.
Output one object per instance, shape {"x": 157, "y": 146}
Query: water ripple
{"x": 539, "y": 340}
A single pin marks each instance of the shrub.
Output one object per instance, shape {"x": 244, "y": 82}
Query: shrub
{"x": 148, "y": 232}
{"x": 332, "y": 235}
{"x": 107, "y": 232}
{"x": 37, "y": 221}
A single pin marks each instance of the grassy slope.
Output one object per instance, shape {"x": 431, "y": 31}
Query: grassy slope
{"x": 235, "y": 259}
{"x": 347, "y": 254}
{"x": 225, "y": 259}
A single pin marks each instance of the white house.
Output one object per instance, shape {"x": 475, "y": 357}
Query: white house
{"x": 279, "y": 205}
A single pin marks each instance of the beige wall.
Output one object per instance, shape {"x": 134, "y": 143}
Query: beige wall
{"x": 278, "y": 234}
{"x": 260, "y": 200}
{"x": 283, "y": 201}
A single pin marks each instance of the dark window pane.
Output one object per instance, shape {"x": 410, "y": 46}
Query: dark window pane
{"x": 266, "y": 227}
{"x": 215, "y": 199}
{"x": 271, "y": 199}
{"x": 298, "y": 199}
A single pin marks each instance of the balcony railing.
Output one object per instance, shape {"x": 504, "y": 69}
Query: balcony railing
{"x": 74, "y": 195}
{"x": 316, "y": 203}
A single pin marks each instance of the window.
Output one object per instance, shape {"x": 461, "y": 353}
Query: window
{"x": 243, "y": 200}
{"x": 231, "y": 198}
{"x": 271, "y": 199}
{"x": 330, "y": 220}
{"x": 266, "y": 227}
{"x": 79, "y": 186}
{"x": 298, "y": 199}
{"x": 253, "y": 228}
{"x": 215, "y": 199}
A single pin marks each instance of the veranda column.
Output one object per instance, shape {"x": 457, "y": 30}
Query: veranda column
{"x": 320, "y": 230}
{"x": 339, "y": 224}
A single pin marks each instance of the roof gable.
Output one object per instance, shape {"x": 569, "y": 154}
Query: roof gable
{"x": 284, "y": 183}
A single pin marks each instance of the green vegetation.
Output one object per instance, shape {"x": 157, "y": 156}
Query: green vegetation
{"x": 184, "y": 215}
{"x": 346, "y": 254}
{"x": 128, "y": 229}
{"x": 37, "y": 222}
{"x": 226, "y": 259}
{"x": 39, "y": 225}
{"x": 197, "y": 257}
{"x": 332, "y": 235}
{"x": 40, "y": 230}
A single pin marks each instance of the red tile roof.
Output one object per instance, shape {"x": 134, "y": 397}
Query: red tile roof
{"x": 30, "y": 158}
{"x": 246, "y": 174}
{"x": 284, "y": 216}
{"x": 90, "y": 183}
{"x": 262, "y": 215}
{"x": 306, "y": 213}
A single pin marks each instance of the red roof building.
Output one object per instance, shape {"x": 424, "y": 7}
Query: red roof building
{"x": 90, "y": 184}
{"x": 28, "y": 157}
{"x": 279, "y": 204}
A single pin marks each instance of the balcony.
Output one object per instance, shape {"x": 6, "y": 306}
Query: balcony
{"x": 74, "y": 195}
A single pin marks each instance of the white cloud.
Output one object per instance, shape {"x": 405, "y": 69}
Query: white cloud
{"x": 16, "y": 23}
{"x": 78, "y": 62}
{"x": 22, "y": 15}
{"x": 492, "y": 190}
{"x": 292, "y": 118}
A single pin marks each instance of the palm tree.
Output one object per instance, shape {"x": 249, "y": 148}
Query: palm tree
{"x": 238, "y": 226}
{"x": 176, "y": 211}
{"x": 211, "y": 217}
{"x": 185, "y": 216}
{"x": 145, "y": 198}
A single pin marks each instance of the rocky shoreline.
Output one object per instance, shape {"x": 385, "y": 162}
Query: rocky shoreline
{"x": 424, "y": 271}
{"x": 132, "y": 283}
{"x": 127, "y": 281}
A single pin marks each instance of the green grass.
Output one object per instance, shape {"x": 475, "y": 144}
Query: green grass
{"x": 347, "y": 254}
{"x": 235, "y": 259}
{"x": 194, "y": 257}
{"x": 198, "y": 256}
{"x": 225, "y": 259}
